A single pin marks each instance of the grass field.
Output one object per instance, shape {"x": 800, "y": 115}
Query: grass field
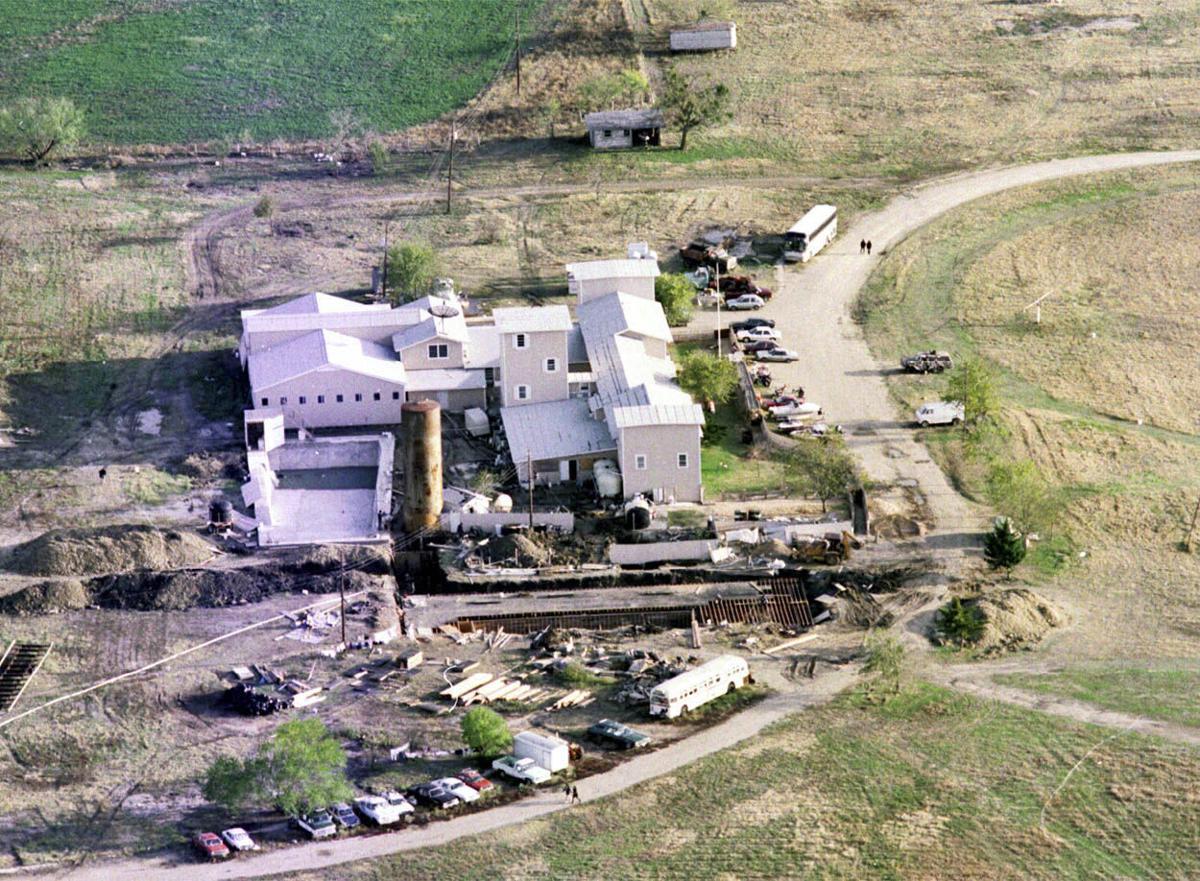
{"x": 203, "y": 70}
{"x": 1163, "y": 694}
{"x": 931, "y": 785}
{"x": 1113, "y": 252}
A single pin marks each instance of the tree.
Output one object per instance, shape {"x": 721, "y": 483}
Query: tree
{"x": 706, "y": 377}
{"x": 486, "y": 732}
{"x": 676, "y": 294}
{"x": 884, "y": 664}
{"x": 37, "y": 127}
{"x": 300, "y": 768}
{"x": 689, "y": 105}
{"x": 823, "y": 468}
{"x": 1003, "y": 547}
{"x": 958, "y": 623}
{"x": 1022, "y": 493}
{"x": 972, "y": 385}
{"x": 411, "y": 269}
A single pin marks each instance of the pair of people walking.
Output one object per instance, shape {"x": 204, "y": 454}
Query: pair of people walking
{"x": 864, "y": 247}
{"x": 572, "y": 794}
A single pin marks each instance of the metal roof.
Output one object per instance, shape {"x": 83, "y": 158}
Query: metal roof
{"x": 590, "y": 270}
{"x": 483, "y": 346}
{"x": 442, "y": 379}
{"x": 646, "y": 117}
{"x": 554, "y": 430}
{"x": 310, "y": 304}
{"x": 532, "y": 319}
{"x": 452, "y": 328}
{"x": 323, "y": 349}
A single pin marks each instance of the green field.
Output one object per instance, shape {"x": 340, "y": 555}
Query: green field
{"x": 931, "y": 785}
{"x": 199, "y": 70}
{"x": 1165, "y": 695}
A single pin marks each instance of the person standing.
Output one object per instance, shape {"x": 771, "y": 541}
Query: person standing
{"x": 567, "y": 792}
{"x": 862, "y": 246}
{"x": 575, "y": 799}
{"x": 868, "y": 247}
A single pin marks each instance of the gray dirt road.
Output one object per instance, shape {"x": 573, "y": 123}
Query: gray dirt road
{"x": 812, "y": 308}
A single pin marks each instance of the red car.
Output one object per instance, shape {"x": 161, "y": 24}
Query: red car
{"x": 474, "y": 779}
{"x": 209, "y": 845}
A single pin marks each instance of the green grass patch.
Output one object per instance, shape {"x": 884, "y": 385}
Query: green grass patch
{"x": 578, "y": 676}
{"x": 1166, "y": 695}
{"x": 260, "y": 69}
{"x": 729, "y": 467}
{"x": 153, "y": 487}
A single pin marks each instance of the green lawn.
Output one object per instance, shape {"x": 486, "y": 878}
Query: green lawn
{"x": 725, "y": 463}
{"x": 1166, "y": 695}
{"x": 932, "y": 785}
{"x": 212, "y": 69}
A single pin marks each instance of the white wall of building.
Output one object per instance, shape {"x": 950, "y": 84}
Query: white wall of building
{"x": 320, "y": 407}
{"x": 657, "y": 449}
{"x": 528, "y": 367}
{"x": 594, "y": 288}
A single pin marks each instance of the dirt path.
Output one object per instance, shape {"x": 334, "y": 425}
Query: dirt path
{"x": 331, "y": 853}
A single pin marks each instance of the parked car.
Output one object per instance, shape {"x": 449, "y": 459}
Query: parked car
{"x": 777, "y": 354}
{"x": 745, "y": 302}
{"x": 464, "y": 793}
{"x": 708, "y": 300}
{"x": 758, "y": 345}
{"x": 209, "y": 846}
{"x": 939, "y": 413}
{"x": 800, "y": 427}
{"x": 344, "y": 815}
{"x": 474, "y": 779}
{"x": 399, "y": 802}
{"x": 521, "y": 770}
{"x": 927, "y": 362}
{"x": 758, "y": 333}
{"x": 747, "y": 323}
{"x": 620, "y": 736}
{"x": 238, "y": 840}
{"x": 378, "y": 810}
{"x": 318, "y": 824}
{"x": 433, "y": 795}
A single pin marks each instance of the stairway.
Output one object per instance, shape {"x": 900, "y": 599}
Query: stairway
{"x": 18, "y": 665}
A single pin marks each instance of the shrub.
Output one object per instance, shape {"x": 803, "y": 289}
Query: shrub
{"x": 264, "y": 207}
{"x": 958, "y": 623}
{"x": 1003, "y": 547}
{"x": 486, "y": 732}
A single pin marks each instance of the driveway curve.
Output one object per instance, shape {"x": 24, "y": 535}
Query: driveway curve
{"x": 813, "y": 308}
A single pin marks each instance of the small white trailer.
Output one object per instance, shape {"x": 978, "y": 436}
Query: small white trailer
{"x": 693, "y": 689}
{"x": 546, "y": 750}
{"x": 708, "y": 36}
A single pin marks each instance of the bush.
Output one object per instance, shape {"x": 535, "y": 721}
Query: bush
{"x": 36, "y": 128}
{"x": 972, "y": 384}
{"x": 676, "y": 294}
{"x": 411, "y": 269}
{"x": 1020, "y": 492}
{"x": 1003, "y": 547}
{"x": 884, "y": 665}
{"x": 958, "y": 623}
{"x": 264, "y": 207}
{"x": 822, "y": 468}
{"x": 486, "y": 732}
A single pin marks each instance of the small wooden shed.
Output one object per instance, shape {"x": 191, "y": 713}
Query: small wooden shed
{"x": 621, "y": 129}
{"x": 708, "y": 36}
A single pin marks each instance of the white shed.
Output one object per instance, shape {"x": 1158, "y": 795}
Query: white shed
{"x": 708, "y": 36}
{"x": 546, "y": 750}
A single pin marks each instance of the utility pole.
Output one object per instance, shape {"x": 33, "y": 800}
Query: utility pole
{"x": 529, "y": 474}
{"x": 518, "y": 12}
{"x": 450, "y": 174}
{"x": 1187, "y": 543}
{"x": 342, "y": 591}
{"x": 717, "y": 268}
{"x": 383, "y": 280}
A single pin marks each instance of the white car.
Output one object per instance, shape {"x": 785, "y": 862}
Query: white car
{"x": 777, "y": 354}
{"x": 796, "y": 411}
{"x": 237, "y": 839}
{"x": 458, "y": 788}
{"x": 758, "y": 333}
{"x": 745, "y": 301}
{"x": 939, "y": 413}
{"x": 379, "y": 810}
{"x": 399, "y": 802}
{"x": 522, "y": 770}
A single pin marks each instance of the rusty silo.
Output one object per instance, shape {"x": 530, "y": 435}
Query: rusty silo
{"x": 422, "y": 422}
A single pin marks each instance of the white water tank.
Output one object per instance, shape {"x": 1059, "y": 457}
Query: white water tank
{"x": 502, "y": 504}
{"x": 608, "y": 478}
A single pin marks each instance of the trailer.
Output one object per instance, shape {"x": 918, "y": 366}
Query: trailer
{"x": 546, "y": 750}
{"x": 708, "y": 36}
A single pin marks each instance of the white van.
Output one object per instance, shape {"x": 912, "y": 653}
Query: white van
{"x": 692, "y": 689}
{"x": 939, "y": 413}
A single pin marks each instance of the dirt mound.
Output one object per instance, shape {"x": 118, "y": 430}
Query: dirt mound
{"x": 518, "y": 550}
{"x": 212, "y": 588}
{"x": 372, "y": 559}
{"x": 46, "y": 598}
{"x": 1014, "y": 619}
{"x": 109, "y": 549}
{"x": 773, "y": 547}
{"x": 897, "y": 526}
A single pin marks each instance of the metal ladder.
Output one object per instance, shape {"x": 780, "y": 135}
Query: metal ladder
{"x": 18, "y": 665}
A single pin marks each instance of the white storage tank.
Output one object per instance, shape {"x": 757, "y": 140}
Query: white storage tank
{"x": 546, "y": 750}
{"x": 502, "y": 504}
{"x": 608, "y": 478}
{"x": 476, "y": 421}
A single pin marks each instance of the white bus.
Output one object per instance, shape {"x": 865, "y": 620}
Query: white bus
{"x": 810, "y": 234}
{"x": 689, "y": 690}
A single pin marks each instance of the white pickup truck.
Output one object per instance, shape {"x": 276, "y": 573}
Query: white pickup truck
{"x": 521, "y": 770}
{"x": 939, "y": 413}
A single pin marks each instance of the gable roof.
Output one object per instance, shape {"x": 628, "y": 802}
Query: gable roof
{"x": 323, "y": 349}
{"x": 453, "y": 328}
{"x": 532, "y": 319}
{"x": 312, "y": 304}
{"x": 554, "y": 430}
{"x": 646, "y": 117}
{"x": 590, "y": 270}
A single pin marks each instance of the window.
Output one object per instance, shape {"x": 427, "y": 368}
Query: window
{"x": 266, "y": 401}
{"x": 639, "y": 462}
{"x": 282, "y": 402}
{"x": 376, "y": 396}
{"x": 585, "y": 387}
{"x": 551, "y": 365}
{"x": 522, "y": 393}
{"x": 608, "y": 133}
{"x": 395, "y": 396}
{"x": 303, "y": 400}
{"x": 440, "y": 350}
{"x": 340, "y": 399}
{"x": 320, "y": 399}
{"x": 358, "y": 396}
{"x": 520, "y": 341}
{"x": 682, "y": 459}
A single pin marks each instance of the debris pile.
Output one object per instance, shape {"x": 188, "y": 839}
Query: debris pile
{"x": 1013, "y": 619}
{"x": 46, "y": 597}
{"x": 214, "y": 588}
{"x": 123, "y": 548}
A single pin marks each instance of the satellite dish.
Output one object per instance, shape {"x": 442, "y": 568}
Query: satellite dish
{"x": 443, "y": 309}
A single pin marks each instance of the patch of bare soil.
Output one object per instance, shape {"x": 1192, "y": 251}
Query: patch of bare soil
{"x": 1014, "y": 619}
{"x": 121, "y": 548}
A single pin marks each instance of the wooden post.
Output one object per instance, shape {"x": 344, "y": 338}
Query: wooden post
{"x": 529, "y": 475}
{"x": 383, "y": 281}
{"x": 1187, "y": 543}
{"x": 518, "y": 13}
{"x": 450, "y": 170}
{"x": 342, "y": 591}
